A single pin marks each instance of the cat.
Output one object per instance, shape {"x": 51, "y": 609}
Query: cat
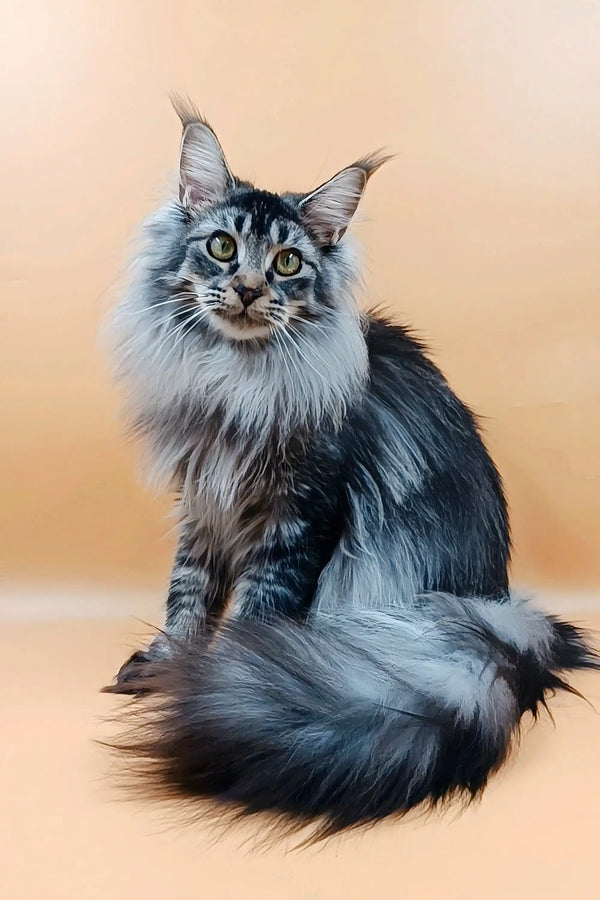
{"x": 341, "y": 642}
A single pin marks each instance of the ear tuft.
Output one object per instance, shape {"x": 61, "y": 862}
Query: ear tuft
{"x": 204, "y": 176}
{"x": 187, "y": 111}
{"x": 327, "y": 211}
{"x": 373, "y": 161}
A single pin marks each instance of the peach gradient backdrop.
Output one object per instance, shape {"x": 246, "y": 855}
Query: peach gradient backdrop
{"x": 483, "y": 232}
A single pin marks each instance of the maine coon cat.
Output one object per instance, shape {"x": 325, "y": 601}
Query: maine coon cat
{"x": 341, "y": 643}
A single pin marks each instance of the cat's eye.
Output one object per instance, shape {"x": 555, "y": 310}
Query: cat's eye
{"x": 221, "y": 246}
{"x": 287, "y": 262}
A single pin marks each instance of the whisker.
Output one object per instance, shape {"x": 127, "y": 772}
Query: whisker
{"x": 289, "y": 333}
{"x": 180, "y": 330}
{"x": 177, "y": 299}
{"x": 168, "y": 331}
{"x": 284, "y": 355}
{"x": 305, "y": 321}
{"x": 182, "y": 333}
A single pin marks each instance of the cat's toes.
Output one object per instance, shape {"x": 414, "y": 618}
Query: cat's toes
{"x": 130, "y": 677}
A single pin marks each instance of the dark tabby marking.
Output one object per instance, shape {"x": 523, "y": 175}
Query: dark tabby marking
{"x": 337, "y": 499}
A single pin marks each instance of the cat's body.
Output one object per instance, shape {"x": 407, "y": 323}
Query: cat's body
{"x": 338, "y": 511}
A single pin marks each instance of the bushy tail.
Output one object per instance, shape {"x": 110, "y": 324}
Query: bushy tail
{"x": 356, "y": 716}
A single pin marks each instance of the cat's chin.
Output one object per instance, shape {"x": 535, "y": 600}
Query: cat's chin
{"x": 242, "y": 330}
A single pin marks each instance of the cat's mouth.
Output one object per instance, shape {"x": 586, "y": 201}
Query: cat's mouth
{"x": 243, "y": 318}
{"x": 245, "y": 324}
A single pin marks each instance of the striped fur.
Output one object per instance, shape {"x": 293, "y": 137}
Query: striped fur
{"x": 337, "y": 502}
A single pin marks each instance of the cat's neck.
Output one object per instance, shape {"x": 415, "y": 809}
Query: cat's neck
{"x": 297, "y": 380}
{"x": 183, "y": 393}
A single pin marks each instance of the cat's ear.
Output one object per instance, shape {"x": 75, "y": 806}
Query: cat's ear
{"x": 204, "y": 175}
{"x": 327, "y": 211}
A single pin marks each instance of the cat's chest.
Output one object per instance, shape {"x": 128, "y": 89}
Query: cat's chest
{"x": 231, "y": 490}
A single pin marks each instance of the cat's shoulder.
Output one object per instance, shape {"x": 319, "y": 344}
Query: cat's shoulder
{"x": 392, "y": 343}
{"x": 404, "y": 380}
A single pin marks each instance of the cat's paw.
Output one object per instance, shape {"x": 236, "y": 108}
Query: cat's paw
{"x": 130, "y": 677}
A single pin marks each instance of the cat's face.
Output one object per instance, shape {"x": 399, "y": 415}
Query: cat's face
{"x": 258, "y": 265}
{"x": 252, "y": 267}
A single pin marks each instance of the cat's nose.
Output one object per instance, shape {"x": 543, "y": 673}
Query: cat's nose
{"x": 248, "y": 294}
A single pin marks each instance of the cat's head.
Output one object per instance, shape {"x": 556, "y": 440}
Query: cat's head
{"x": 256, "y": 262}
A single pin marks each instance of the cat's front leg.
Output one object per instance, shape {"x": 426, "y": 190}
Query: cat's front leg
{"x": 280, "y": 576}
{"x": 197, "y": 593}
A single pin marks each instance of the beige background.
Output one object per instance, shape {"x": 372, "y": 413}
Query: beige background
{"x": 483, "y": 233}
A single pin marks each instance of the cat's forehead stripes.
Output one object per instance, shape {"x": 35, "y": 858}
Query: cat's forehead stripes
{"x": 259, "y": 213}
{"x": 263, "y": 209}
{"x": 243, "y": 224}
{"x": 283, "y": 231}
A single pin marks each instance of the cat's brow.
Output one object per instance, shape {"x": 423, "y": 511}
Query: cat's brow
{"x": 196, "y": 238}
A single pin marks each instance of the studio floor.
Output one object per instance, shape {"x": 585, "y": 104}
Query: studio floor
{"x": 68, "y": 833}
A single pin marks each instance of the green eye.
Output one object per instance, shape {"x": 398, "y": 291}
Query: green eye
{"x": 221, "y": 246}
{"x": 287, "y": 262}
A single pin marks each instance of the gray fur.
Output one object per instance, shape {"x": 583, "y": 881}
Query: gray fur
{"x": 327, "y": 476}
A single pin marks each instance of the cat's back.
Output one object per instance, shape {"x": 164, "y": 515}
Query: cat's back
{"x": 409, "y": 401}
{"x": 424, "y": 497}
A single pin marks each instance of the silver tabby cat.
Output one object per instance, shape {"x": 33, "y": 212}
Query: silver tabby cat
{"x": 340, "y": 642}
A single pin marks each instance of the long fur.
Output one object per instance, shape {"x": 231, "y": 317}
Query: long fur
{"x": 341, "y": 642}
{"x": 359, "y": 716}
